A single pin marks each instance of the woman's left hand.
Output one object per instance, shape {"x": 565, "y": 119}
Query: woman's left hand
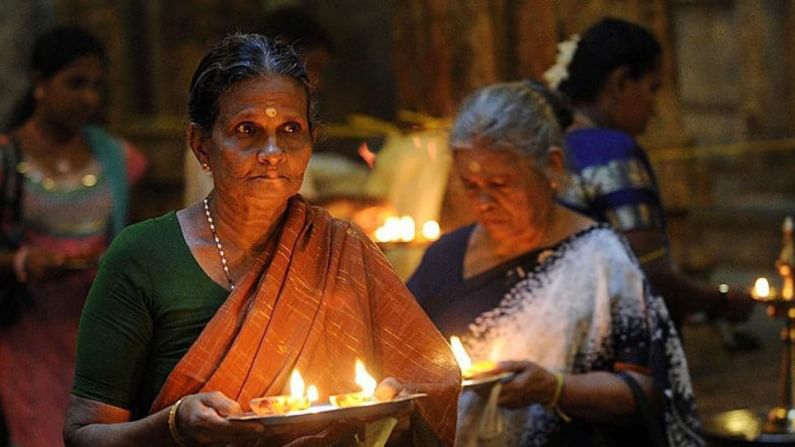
{"x": 531, "y": 384}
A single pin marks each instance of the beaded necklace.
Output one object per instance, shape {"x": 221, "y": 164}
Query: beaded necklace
{"x": 218, "y": 244}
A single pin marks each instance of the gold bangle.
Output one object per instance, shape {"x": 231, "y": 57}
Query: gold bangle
{"x": 554, "y": 404}
{"x": 652, "y": 255}
{"x": 172, "y": 424}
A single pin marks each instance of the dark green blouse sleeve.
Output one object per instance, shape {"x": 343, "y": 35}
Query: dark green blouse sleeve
{"x": 116, "y": 326}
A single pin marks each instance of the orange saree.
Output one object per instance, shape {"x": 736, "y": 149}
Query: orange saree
{"x": 326, "y": 297}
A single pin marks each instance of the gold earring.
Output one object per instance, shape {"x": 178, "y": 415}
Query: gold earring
{"x": 205, "y": 167}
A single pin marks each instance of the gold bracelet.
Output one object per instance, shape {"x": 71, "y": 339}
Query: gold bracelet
{"x": 652, "y": 255}
{"x": 553, "y": 404}
{"x": 172, "y": 424}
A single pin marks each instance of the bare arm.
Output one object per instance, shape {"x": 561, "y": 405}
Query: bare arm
{"x": 682, "y": 295}
{"x": 92, "y": 423}
{"x": 200, "y": 420}
{"x": 597, "y": 396}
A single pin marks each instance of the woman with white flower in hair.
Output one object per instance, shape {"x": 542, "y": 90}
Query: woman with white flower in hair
{"x": 557, "y": 299}
{"x": 612, "y": 75}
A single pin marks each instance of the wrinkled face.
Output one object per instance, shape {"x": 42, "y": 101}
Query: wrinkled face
{"x": 636, "y": 102}
{"x": 72, "y": 96}
{"x": 260, "y": 143}
{"x": 507, "y": 193}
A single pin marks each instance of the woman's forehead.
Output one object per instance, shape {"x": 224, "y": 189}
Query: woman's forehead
{"x": 488, "y": 161}
{"x": 270, "y": 92}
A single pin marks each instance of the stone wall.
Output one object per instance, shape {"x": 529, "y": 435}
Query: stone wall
{"x": 20, "y": 22}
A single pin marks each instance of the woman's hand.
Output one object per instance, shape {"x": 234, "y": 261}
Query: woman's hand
{"x": 40, "y": 265}
{"x": 388, "y": 389}
{"x": 531, "y": 384}
{"x": 738, "y": 306}
{"x": 201, "y": 420}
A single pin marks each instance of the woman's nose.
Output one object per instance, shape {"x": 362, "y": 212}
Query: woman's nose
{"x": 92, "y": 97}
{"x": 271, "y": 153}
{"x": 485, "y": 200}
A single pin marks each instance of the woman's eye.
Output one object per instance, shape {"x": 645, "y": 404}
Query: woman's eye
{"x": 291, "y": 127}
{"x": 245, "y": 128}
{"x": 470, "y": 186}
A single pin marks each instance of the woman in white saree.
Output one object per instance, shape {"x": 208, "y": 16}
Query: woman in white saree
{"x": 558, "y": 299}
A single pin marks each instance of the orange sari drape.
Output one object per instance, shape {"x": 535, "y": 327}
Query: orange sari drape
{"x": 325, "y": 297}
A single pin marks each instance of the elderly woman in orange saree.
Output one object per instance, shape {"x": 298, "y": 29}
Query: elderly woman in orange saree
{"x": 196, "y": 312}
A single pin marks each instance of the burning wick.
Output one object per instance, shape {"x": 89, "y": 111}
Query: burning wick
{"x": 431, "y": 230}
{"x": 761, "y": 289}
{"x": 297, "y": 400}
{"x": 365, "y": 381}
{"x": 404, "y": 229}
{"x": 468, "y": 369}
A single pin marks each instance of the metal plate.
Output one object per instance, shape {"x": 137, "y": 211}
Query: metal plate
{"x": 482, "y": 382}
{"x": 328, "y": 413}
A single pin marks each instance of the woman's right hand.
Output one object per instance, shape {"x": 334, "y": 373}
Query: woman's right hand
{"x": 41, "y": 265}
{"x": 202, "y": 420}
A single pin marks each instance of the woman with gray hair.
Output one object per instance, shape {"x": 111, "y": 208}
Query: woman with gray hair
{"x": 548, "y": 294}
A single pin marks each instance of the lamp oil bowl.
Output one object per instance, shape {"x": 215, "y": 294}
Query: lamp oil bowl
{"x": 273, "y": 405}
{"x": 297, "y": 400}
{"x": 349, "y": 400}
{"x": 469, "y": 369}
{"x": 366, "y": 395}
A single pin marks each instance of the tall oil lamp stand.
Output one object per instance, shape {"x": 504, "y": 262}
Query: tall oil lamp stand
{"x": 781, "y": 418}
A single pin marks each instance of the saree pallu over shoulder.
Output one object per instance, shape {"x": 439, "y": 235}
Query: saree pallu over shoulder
{"x": 325, "y": 297}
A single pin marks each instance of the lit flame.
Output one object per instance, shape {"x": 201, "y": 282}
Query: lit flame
{"x": 461, "y": 356}
{"x": 761, "y": 288}
{"x": 367, "y": 155}
{"x": 407, "y": 229}
{"x": 296, "y": 385}
{"x": 431, "y": 230}
{"x": 389, "y": 231}
{"x": 396, "y": 229}
{"x": 312, "y": 394}
{"x": 364, "y": 380}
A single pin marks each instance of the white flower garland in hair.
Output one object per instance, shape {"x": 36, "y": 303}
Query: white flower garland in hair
{"x": 560, "y": 71}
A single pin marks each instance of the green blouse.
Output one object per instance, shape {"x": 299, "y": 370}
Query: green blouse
{"x": 148, "y": 304}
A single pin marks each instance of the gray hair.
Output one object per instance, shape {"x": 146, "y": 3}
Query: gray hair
{"x": 509, "y": 115}
{"x": 236, "y": 58}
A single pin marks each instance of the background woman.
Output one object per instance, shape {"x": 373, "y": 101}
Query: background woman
{"x": 559, "y": 296}
{"x": 612, "y": 81}
{"x": 64, "y": 196}
{"x": 194, "y": 313}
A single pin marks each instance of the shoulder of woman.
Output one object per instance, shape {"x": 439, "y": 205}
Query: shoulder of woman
{"x": 601, "y": 143}
{"x": 143, "y": 237}
{"x": 604, "y": 245}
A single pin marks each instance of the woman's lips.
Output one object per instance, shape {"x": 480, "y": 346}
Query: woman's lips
{"x": 271, "y": 175}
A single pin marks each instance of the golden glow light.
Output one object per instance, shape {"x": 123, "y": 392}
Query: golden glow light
{"x": 407, "y": 229}
{"x": 389, "y": 231}
{"x": 761, "y": 288}
{"x": 364, "y": 379}
{"x": 461, "y": 356}
{"x": 312, "y": 393}
{"x": 296, "y": 385}
{"x": 431, "y": 230}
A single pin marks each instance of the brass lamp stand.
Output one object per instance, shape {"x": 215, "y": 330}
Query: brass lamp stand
{"x": 781, "y": 418}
